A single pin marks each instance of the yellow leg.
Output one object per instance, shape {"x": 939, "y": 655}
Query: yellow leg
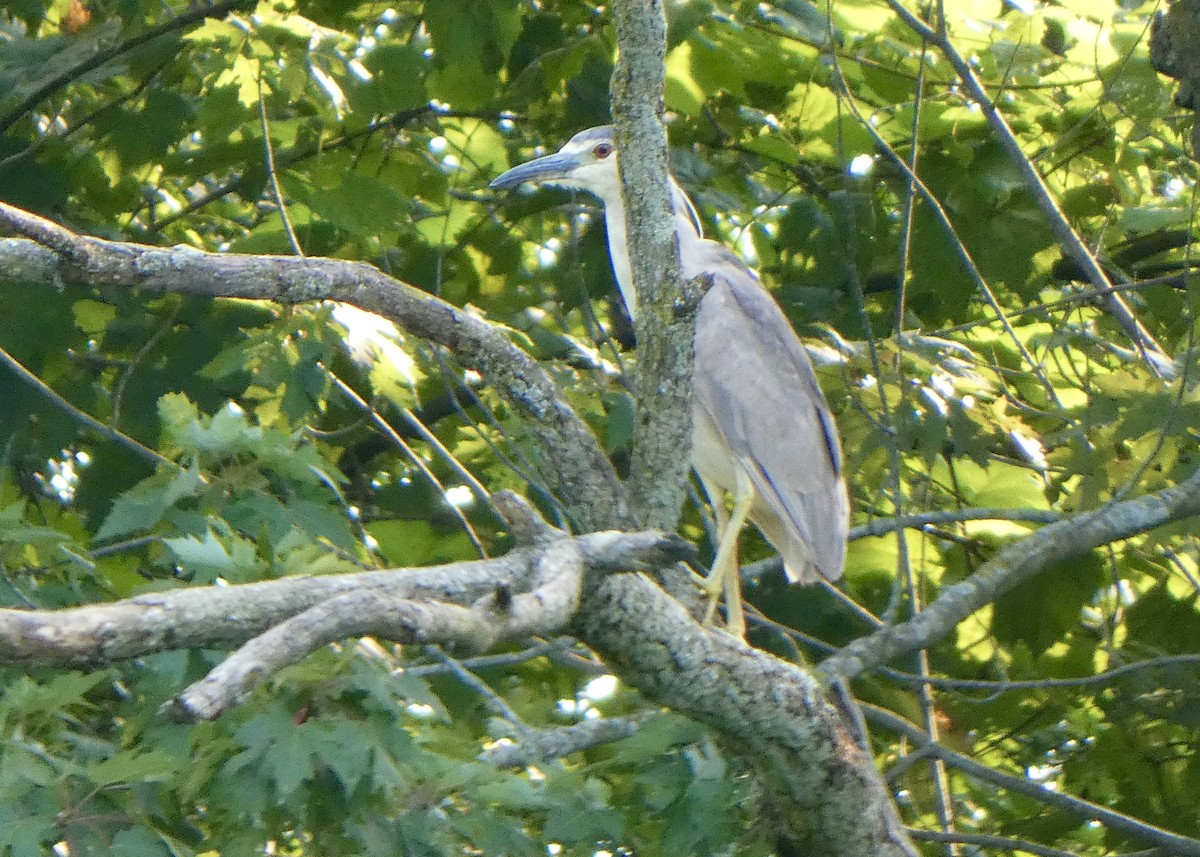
{"x": 716, "y": 501}
{"x": 725, "y": 576}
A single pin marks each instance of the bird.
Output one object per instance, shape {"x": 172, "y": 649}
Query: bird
{"x": 762, "y": 431}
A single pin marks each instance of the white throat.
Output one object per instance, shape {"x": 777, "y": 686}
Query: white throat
{"x": 687, "y": 227}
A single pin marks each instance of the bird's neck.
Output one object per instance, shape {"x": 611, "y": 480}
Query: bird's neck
{"x": 618, "y": 253}
{"x": 687, "y": 226}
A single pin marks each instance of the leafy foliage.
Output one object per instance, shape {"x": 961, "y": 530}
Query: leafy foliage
{"x": 257, "y": 450}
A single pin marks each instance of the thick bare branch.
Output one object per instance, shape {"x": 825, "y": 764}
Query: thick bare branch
{"x": 593, "y": 495}
{"x": 204, "y": 616}
{"x": 557, "y": 577}
{"x": 829, "y": 797}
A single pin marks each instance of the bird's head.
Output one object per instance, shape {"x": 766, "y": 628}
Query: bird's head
{"x": 588, "y": 162}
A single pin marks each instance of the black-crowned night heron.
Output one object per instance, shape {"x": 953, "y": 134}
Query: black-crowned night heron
{"x": 762, "y": 431}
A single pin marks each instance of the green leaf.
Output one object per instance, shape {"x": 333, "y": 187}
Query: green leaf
{"x": 241, "y": 77}
{"x": 417, "y": 542}
{"x": 28, "y": 697}
{"x": 130, "y": 767}
{"x": 177, "y": 413}
{"x": 25, "y": 836}
{"x": 357, "y": 203}
{"x": 582, "y": 815}
{"x": 209, "y": 558}
{"x": 470, "y": 46}
{"x": 140, "y": 842}
{"x": 1044, "y": 610}
{"x": 619, "y": 425}
{"x": 1148, "y": 218}
{"x": 396, "y": 84}
{"x": 140, "y": 508}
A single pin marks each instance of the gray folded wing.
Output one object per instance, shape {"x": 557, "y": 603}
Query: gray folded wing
{"x": 755, "y": 386}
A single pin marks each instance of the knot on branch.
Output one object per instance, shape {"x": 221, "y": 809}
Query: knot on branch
{"x": 687, "y": 300}
{"x": 525, "y": 525}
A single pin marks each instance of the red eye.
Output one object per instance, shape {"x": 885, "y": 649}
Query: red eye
{"x": 602, "y": 150}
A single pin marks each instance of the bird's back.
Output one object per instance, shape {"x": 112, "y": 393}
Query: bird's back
{"x": 755, "y": 393}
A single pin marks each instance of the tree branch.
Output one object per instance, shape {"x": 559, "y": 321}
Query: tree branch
{"x": 76, "y": 415}
{"x": 1014, "y": 564}
{"x": 665, "y": 318}
{"x": 542, "y": 745}
{"x": 1004, "y": 843}
{"x": 830, "y": 799}
{"x": 1152, "y": 353}
{"x": 186, "y": 19}
{"x": 921, "y": 520}
{"x": 998, "y": 687}
{"x": 534, "y": 649}
{"x": 1132, "y": 827}
{"x": 590, "y": 490}
{"x": 557, "y": 575}
{"x": 213, "y": 615}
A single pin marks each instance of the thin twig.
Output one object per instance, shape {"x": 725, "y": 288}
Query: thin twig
{"x": 1153, "y": 354}
{"x": 118, "y": 394}
{"x": 883, "y": 526}
{"x": 87, "y": 420}
{"x": 534, "y": 649}
{"x": 492, "y": 699}
{"x": 192, "y": 16}
{"x": 997, "y": 687}
{"x": 1127, "y": 825}
{"x": 527, "y": 469}
{"x": 394, "y": 436}
{"x": 539, "y": 746}
{"x": 1004, "y": 843}
{"x": 421, "y": 430}
{"x": 273, "y": 176}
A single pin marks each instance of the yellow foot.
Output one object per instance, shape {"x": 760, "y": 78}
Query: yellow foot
{"x": 712, "y": 587}
{"x": 722, "y": 582}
